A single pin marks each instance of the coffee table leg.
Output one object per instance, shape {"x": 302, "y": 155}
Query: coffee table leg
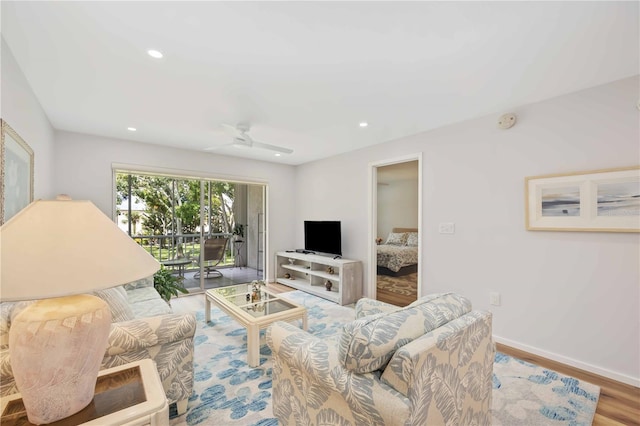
{"x": 207, "y": 309}
{"x": 304, "y": 321}
{"x": 253, "y": 345}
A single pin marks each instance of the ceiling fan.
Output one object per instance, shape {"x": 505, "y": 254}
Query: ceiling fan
{"x": 241, "y": 139}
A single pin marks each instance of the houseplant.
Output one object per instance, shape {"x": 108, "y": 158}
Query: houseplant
{"x": 167, "y": 284}
{"x": 238, "y": 232}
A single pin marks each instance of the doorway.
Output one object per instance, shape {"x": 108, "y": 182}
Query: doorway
{"x": 395, "y": 230}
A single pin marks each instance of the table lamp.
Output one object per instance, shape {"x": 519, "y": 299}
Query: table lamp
{"x": 54, "y": 252}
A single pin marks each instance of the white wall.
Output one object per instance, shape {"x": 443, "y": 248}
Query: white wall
{"x": 84, "y": 171}
{"x": 570, "y": 296}
{"x": 22, "y": 111}
{"x": 397, "y": 206}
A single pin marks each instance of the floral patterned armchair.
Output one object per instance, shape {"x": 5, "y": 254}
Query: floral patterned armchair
{"x": 428, "y": 363}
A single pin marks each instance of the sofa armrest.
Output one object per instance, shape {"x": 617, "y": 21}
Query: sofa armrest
{"x": 143, "y": 333}
{"x": 310, "y": 386}
{"x": 166, "y": 339}
{"x": 366, "y": 306}
{"x": 7, "y": 381}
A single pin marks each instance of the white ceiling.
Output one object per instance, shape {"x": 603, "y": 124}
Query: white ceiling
{"x": 304, "y": 74}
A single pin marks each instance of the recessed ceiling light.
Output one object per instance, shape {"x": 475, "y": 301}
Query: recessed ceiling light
{"x": 131, "y": 129}
{"x": 364, "y": 124}
{"x": 277, "y": 154}
{"x": 155, "y": 53}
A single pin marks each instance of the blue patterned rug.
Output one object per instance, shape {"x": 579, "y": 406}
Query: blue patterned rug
{"x": 229, "y": 392}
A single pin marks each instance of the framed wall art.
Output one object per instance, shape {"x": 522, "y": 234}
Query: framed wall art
{"x": 600, "y": 200}
{"x": 16, "y": 158}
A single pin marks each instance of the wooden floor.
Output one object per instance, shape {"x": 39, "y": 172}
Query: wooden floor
{"x": 619, "y": 403}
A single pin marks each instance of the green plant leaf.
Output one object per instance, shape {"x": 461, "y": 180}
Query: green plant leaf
{"x": 167, "y": 285}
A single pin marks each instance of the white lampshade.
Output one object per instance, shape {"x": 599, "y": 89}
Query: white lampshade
{"x": 65, "y": 247}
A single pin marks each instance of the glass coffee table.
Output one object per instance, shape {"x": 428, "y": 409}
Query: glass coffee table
{"x": 253, "y": 315}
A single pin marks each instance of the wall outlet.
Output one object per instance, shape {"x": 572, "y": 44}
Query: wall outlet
{"x": 447, "y": 228}
{"x": 494, "y": 298}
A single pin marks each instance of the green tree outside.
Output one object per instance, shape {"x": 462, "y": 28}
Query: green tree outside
{"x": 172, "y": 206}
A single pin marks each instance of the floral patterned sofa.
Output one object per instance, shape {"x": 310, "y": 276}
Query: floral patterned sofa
{"x": 428, "y": 363}
{"x": 143, "y": 326}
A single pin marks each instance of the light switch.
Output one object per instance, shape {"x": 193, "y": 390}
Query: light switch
{"x": 494, "y": 298}
{"x": 447, "y": 228}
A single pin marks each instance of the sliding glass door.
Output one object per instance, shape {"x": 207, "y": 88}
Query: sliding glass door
{"x": 210, "y": 233}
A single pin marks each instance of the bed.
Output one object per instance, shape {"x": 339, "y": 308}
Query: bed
{"x": 398, "y": 255}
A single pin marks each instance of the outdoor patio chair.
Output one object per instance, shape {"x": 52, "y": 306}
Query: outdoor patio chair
{"x": 213, "y": 255}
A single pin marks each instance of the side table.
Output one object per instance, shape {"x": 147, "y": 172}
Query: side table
{"x": 180, "y": 263}
{"x": 237, "y": 259}
{"x": 129, "y": 394}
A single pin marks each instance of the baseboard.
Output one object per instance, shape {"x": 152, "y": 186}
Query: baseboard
{"x": 623, "y": 378}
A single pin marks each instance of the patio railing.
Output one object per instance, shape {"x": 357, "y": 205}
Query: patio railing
{"x": 166, "y": 247}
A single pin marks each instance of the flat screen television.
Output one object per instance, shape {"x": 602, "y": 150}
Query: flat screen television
{"x": 323, "y": 236}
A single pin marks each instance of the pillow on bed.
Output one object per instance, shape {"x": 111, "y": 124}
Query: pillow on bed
{"x": 397, "y": 238}
{"x": 412, "y": 239}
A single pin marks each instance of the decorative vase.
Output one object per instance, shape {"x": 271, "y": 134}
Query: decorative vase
{"x": 70, "y": 333}
{"x": 328, "y": 284}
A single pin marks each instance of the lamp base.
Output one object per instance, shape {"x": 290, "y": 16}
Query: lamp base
{"x": 56, "y": 348}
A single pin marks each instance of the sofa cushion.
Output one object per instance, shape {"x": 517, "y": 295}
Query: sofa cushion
{"x": 116, "y": 298}
{"x": 142, "y": 294}
{"x": 150, "y": 308}
{"x": 141, "y": 283}
{"x": 367, "y": 344}
{"x": 7, "y": 311}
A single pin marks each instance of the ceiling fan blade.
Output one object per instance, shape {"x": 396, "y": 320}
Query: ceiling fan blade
{"x": 228, "y": 127}
{"x": 213, "y": 148}
{"x": 243, "y": 140}
{"x": 272, "y": 147}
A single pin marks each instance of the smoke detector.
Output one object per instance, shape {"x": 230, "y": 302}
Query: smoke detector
{"x": 507, "y": 121}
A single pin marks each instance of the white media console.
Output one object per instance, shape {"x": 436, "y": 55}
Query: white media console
{"x": 310, "y": 272}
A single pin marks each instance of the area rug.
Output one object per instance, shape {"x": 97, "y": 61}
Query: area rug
{"x": 405, "y": 285}
{"x": 229, "y": 392}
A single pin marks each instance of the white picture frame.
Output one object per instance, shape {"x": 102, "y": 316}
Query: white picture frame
{"x": 606, "y": 200}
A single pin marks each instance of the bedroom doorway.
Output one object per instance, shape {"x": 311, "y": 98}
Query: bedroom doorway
{"x": 395, "y": 228}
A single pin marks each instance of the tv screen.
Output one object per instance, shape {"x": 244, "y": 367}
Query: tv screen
{"x": 323, "y": 237}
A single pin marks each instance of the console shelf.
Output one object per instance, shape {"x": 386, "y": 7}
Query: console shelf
{"x": 309, "y": 273}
